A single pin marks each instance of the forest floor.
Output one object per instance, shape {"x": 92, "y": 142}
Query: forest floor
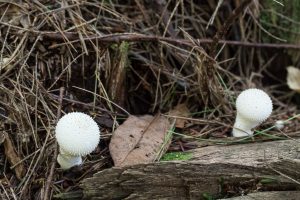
{"x": 115, "y": 59}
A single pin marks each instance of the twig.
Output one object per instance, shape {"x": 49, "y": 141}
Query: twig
{"x": 88, "y": 105}
{"x": 135, "y": 37}
{"x": 224, "y": 29}
{"x": 13, "y": 157}
{"x": 208, "y": 84}
{"x": 53, "y": 161}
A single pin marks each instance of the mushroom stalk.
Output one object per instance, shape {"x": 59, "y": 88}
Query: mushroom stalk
{"x": 67, "y": 161}
{"x": 242, "y": 127}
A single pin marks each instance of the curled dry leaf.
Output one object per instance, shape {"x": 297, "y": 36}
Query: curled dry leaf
{"x": 138, "y": 140}
{"x": 180, "y": 112}
{"x": 293, "y": 78}
{"x": 13, "y": 157}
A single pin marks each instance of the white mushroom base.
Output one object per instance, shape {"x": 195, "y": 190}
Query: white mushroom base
{"x": 242, "y": 127}
{"x": 67, "y": 161}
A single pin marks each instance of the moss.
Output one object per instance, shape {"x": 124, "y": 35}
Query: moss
{"x": 207, "y": 196}
{"x": 177, "y": 156}
{"x": 265, "y": 181}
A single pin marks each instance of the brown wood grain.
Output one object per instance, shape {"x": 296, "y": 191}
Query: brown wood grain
{"x": 214, "y": 170}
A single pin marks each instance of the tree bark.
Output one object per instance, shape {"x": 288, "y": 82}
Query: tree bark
{"x": 290, "y": 195}
{"x": 215, "y": 171}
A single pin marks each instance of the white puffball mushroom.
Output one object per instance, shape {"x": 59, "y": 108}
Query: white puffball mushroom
{"x": 253, "y": 107}
{"x": 279, "y": 124}
{"x": 77, "y": 135}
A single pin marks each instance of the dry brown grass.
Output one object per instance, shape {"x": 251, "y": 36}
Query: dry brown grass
{"x": 117, "y": 58}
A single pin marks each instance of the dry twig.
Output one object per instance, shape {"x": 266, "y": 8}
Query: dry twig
{"x": 53, "y": 160}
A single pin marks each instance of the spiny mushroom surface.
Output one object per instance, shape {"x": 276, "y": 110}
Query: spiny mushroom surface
{"x": 253, "y": 107}
{"x": 77, "y": 135}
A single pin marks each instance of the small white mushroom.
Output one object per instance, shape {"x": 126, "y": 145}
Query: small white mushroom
{"x": 279, "y": 124}
{"x": 253, "y": 107}
{"x": 77, "y": 135}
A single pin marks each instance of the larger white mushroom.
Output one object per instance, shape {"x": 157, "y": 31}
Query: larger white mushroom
{"x": 253, "y": 107}
{"x": 77, "y": 135}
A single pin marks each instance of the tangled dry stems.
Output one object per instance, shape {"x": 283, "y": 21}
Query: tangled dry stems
{"x": 153, "y": 54}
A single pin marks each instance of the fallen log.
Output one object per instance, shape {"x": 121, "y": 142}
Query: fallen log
{"x": 215, "y": 171}
{"x": 291, "y": 195}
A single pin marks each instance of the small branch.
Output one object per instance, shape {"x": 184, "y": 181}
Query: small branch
{"x": 13, "y": 157}
{"x": 53, "y": 161}
{"x": 207, "y": 80}
{"x": 224, "y": 29}
{"x": 88, "y": 106}
{"x": 135, "y": 37}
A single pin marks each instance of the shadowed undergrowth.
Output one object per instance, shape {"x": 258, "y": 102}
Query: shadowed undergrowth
{"x": 116, "y": 58}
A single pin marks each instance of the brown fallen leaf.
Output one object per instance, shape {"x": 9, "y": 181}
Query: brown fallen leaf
{"x": 138, "y": 140}
{"x": 13, "y": 157}
{"x": 293, "y": 78}
{"x": 182, "y": 112}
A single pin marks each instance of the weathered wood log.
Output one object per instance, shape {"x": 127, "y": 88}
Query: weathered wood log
{"x": 216, "y": 171}
{"x": 290, "y": 195}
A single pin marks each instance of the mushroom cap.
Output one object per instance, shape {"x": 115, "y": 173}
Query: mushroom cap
{"x": 254, "y": 105}
{"x": 77, "y": 134}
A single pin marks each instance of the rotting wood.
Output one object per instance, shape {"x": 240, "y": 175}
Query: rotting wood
{"x": 268, "y": 166}
{"x": 291, "y": 195}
